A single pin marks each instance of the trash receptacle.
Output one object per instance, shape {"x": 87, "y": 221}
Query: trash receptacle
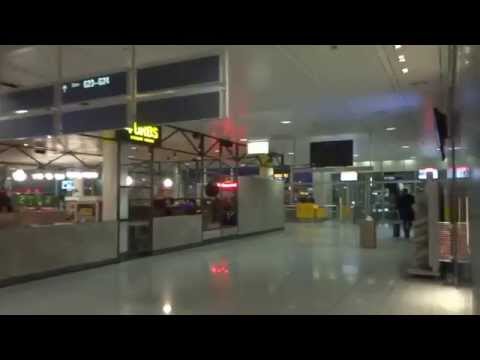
{"x": 368, "y": 234}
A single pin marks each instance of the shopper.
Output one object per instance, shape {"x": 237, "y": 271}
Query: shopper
{"x": 5, "y": 201}
{"x": 405, "y": 209}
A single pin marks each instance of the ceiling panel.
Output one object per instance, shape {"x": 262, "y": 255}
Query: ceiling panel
{"x": 354, "y": 89}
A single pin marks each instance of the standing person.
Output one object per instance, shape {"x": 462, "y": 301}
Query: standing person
{"x": 5, "y": 201}
{"x": 405, "y": 210}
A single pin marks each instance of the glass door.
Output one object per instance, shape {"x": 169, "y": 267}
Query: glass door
{"x": 135, "y": 199}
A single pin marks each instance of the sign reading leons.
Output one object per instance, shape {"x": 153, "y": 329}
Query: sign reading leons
{"x": 147, "y": 134}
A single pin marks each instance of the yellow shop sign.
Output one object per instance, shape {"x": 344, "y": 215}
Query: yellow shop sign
{"x": 147, "y": 134}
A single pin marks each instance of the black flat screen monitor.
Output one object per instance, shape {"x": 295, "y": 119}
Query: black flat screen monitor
{"x": 331, "y": 153}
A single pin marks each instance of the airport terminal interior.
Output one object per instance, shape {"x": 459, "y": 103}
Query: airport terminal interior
{"x": 239, "y": 179}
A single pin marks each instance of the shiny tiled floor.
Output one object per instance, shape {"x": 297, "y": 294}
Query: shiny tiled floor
{"x": 307, "y": 269}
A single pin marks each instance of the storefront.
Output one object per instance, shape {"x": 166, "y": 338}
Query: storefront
{"x": 93, "y": 172}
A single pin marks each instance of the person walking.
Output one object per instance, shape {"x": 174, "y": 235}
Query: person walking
{"x": 406, "y": 212}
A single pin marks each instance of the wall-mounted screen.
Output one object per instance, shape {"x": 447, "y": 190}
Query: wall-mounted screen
{"x": 331, "y": 153}
{"x": 68, "y": 185}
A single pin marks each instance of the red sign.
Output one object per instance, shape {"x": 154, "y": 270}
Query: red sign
{"x": 228, "y": 185}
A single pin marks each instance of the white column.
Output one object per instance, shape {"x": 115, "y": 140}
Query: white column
{"x": 266, "y": 171}
{"x": 109, "y": 180}
{"x": 322, "y": 188}
{"x": 177, "y": 182}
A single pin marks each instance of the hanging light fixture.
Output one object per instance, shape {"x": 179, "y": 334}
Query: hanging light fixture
{"x": 59, "y": 176}
{"x": 90, "y": 175}
{"x": 48, "y": 176}
{"x": 74, "y": 174}
{"x": 167, "y": 183}
{"x": 38, "y": 176}
{"x": 19, "y": 175}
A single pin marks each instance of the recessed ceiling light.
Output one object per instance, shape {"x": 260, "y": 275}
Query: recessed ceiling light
{"x": 291, "y": 153}
{"x": 405, "y": 70}
{"x": 355, "y": 155}
{"x": 217, "y": 151}
{"x": 391, "y": 128}
{"x": 467, "y": 62}
{"x": 401, "y": 58}
{"x": 397, "y": 47}
{"x": 22, "y": 111}
{"x": 49, "y": 136}
{"x": 244, "y": 140}
{"x": 405, "y": 147}
{"x": 285, "y": 122}
{"x": 25, "y": 144}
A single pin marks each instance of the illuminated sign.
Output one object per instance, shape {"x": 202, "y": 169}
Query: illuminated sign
{"x": 228, "y": 185}
{"x": 422, "y": 173}
{"x": 280, "y": 176}
{"x": 257, "y": 147}
{"x": 95, "y": 87}
{"x": 463, "y": 172}
{"x": 147, "y": 134}
{"x": 88, "y": 83}
{"x": 348, "y": 176}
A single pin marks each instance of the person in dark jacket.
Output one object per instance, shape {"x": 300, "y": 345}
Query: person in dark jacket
{"x": 405, "y": 210}
{"x": 5, "y": 201}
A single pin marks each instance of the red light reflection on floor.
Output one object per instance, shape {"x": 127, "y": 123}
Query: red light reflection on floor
{"x": 220, "y": 268}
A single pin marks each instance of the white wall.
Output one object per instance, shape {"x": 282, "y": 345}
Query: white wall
{"x": 467, "y": 101}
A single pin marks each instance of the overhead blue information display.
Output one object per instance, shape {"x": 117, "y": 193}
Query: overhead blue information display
{"x": 26, "y": 100}
{"x": 40, "y": 125}
{"x": 96, "y": 87}
{"x": 179, "y": 74}
{"x": 110, "y": 117}
{"x": 181, "y": 108}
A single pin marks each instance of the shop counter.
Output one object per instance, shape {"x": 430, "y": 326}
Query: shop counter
{"x": 306, "y": 210}
{"x": 29, "y": 216}
{"x": 260, "y": 205}
{"x": 174, "y": 231}
{"x": 41, "y": 249}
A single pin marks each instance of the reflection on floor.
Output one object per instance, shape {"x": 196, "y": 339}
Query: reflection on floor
{"x": 307, "y": 269}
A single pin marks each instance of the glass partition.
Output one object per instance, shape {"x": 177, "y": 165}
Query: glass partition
{"x": 373, "y": 193}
